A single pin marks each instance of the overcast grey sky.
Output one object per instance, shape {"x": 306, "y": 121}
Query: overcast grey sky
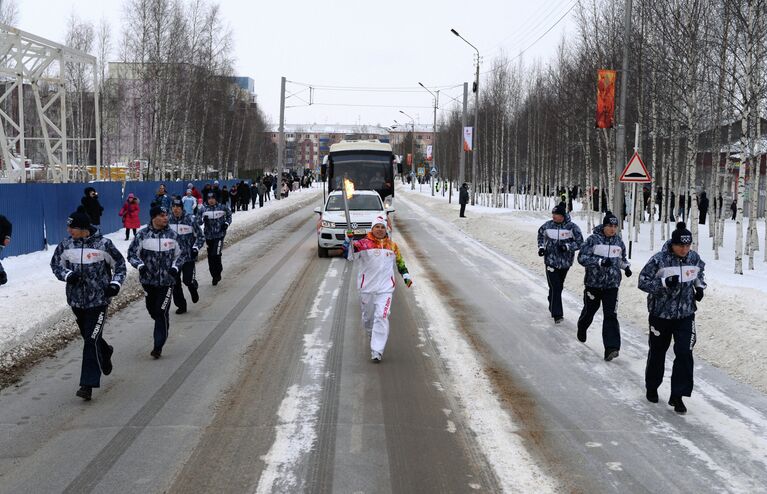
{"x": 391, "y": 44}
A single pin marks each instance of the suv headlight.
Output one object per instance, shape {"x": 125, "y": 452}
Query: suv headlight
{"x": 328, "y": 224}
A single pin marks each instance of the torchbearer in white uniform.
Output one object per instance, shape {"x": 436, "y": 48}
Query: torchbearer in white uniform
{"x": 377, "y": 256}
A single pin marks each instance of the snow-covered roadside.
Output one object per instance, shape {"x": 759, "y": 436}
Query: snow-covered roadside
{"x": 493, "y": 427}
{"x": 33, "y": 301}
{"x": 730, "y": 321}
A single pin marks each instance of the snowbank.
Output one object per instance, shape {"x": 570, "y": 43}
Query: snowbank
{"x": 33, "y": 302}
{"x": 731, "y": 320}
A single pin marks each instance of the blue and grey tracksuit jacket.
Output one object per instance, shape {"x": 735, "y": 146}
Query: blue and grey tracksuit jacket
{"x": 189, "y": 233}
{"x": 677, "y": 302}
{"x": 158, "y": 250}
{"x": 96, "y": 260}
{"x": 551, "y": 235}
{"x": 214, "y": 218}
{"x": 596, "y": 248}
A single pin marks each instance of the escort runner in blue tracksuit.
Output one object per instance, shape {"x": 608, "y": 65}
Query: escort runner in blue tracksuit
{"x": 603, "y": 255}
{"x": 558, "y": 239}
{"x": 216, "y": 218}
{"x": 674, "y": 281}
{"x": 156, "y": 253}
{"x": 94, "y": 271}
{"x": 190, "y": 239}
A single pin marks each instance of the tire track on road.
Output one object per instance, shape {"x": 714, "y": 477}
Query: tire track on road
{"x": 92, "y": 474}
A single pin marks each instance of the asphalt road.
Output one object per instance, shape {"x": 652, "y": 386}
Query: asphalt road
{"x": 266, "y": 386}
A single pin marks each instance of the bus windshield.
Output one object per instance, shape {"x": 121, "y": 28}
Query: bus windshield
{"x": 356, "y": 203}
{"x": 368, "y": 171}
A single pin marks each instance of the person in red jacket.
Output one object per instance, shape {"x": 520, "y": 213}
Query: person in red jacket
{"x": 130, "y": 215}
{"x": 377, "y": 257}
{"x": 195, "y": 193}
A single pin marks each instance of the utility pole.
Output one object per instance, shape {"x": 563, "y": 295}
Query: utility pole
{"x": 412, "y": 150}
{"x": 620, "y": 141}
{"x": 434, "y": 144}
{"x": 475, "y": 138}
{"x": 281, "y": 138}
{"x": 434, "y": 135}
{"x": 462, "y": 160}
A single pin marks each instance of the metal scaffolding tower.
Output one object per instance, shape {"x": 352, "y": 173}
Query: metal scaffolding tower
{"x": 26, "y": 58}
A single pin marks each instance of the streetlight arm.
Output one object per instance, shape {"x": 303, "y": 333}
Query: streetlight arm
{"x": 464, "y": 39}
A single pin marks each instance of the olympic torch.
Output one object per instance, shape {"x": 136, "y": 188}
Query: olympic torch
{"x": 348, "y": 193}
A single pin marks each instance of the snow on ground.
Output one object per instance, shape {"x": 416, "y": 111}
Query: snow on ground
{"x": 33, "y": 297}
{"x": 731, "y": 320}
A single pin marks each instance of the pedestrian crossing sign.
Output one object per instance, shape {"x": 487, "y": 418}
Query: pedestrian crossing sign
{"x": 635, "y": 171}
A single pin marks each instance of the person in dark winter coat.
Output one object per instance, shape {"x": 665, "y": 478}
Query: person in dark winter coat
{"x": 224, "y": 196}
{"x": 603, "y": 255}
{"x": 156, "y": 253}
{"x": 92, "y": 206}
{"x": 190, "y": 240}
{"x": 130, "y": 215}
{"x": 162, "y": 198}
{"x": 702, "y": 208}
{"x": 674, "y": 281}
{"x": 6, "y": 229}
{"x": 234, "y": 197}
{"x": 243, "y": 190}
{"x": 558, "y": 239}
{"x": 94, "y": 271}
{"x": 216, "y": 218}
{"x": 463, "y": 198}
{"x": 734, "y": 209}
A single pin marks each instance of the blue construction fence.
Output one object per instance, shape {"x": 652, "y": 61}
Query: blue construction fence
{"x": 39, "y": 212}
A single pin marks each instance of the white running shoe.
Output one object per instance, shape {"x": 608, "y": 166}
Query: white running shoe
{"x": 376, "y": 356}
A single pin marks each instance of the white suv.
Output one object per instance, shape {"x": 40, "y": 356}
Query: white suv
{"x": 364, "y": 207}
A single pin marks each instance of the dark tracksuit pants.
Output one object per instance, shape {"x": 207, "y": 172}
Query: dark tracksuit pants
{"x": 214, "y": 256}
{"x": 463, "y": 210}
{"x": 187, "y": 275}
{"x": 556, "y": 280}
{"x": 158, "y": 305}
{"x": 608, "y": 299}
{"x": 661, "y": 332}
{"x": 95, "y": 351}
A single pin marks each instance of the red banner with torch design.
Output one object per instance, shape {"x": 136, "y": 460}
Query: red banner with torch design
{"x": 605, "y": 99}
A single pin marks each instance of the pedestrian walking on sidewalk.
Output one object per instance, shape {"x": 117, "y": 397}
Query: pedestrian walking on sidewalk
{"x": 130, "y": 215}
{"x": 190, "y": 240}
{"x": 156, "y": 253}
{"x": 603, "y": 255}
{"x": 377, "y": 256}
{"x": 558, "y": 239}
{"x": 94, "y": 271}
{"x": 216, "y": 218}
{"x": 674, "y": 281}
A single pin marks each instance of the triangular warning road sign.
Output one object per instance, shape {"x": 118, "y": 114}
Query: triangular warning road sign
{"x": 635, "y": 171}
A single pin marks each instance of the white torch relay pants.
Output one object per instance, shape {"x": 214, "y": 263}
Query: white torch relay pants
{"x": 376, "y": 308}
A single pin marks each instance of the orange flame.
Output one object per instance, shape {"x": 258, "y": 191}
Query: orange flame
{"x": 349, "y": 188}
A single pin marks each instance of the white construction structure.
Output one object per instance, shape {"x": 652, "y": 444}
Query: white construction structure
{"x": 29, "y": 59}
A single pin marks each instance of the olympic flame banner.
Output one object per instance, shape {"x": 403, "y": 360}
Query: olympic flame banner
{"x": 428, "y": 153}
{"x": 468, "y": 134}
{"x": 605, "y": 99}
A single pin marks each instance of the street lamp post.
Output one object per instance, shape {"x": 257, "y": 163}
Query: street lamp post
{"x": 434, "y": 134}
{"x": 412, "y": 150}
{"x": 476, "y": 123}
